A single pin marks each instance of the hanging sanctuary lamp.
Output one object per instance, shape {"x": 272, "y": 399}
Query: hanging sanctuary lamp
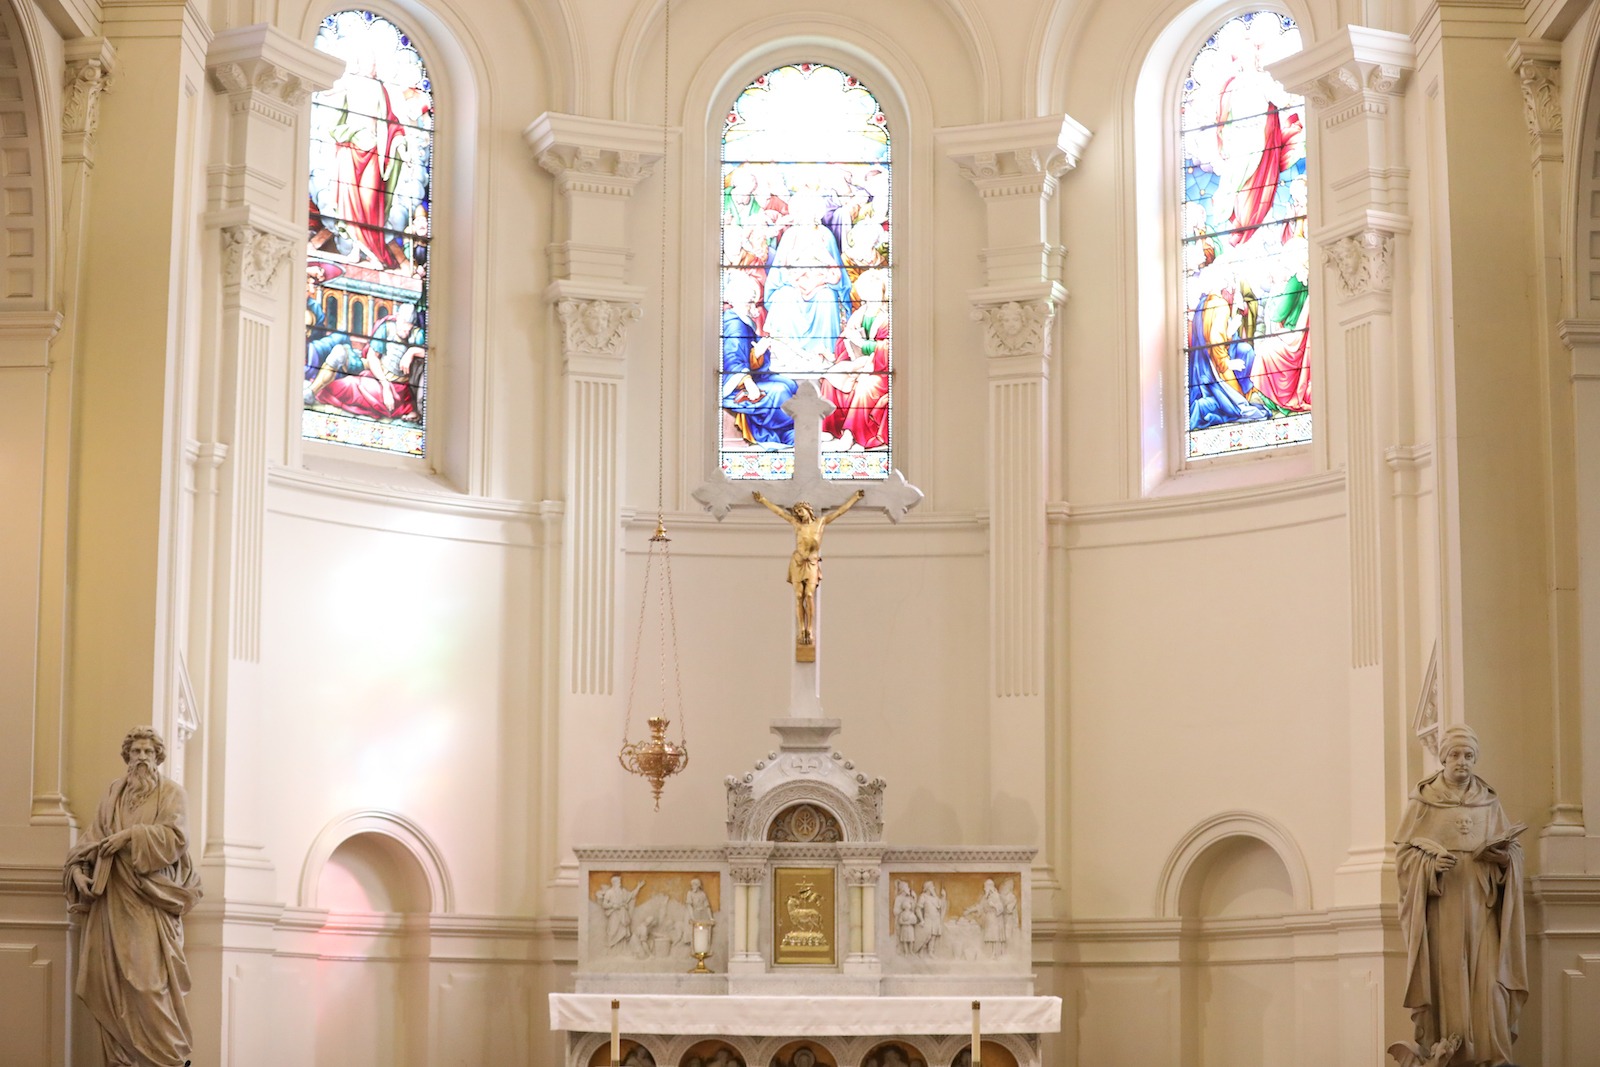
{"x": 658, "y": 758}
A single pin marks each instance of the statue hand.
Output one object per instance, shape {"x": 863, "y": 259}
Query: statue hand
{"x": 1445, "y": 863}
{"x": 860, "y": 493}
{"x": 114, "y": 842}
{"x": 755, "y": 494}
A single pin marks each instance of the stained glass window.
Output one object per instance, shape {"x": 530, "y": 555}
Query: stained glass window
{"x": 1246, "y": 264}
{"x": 368, "y": 228}
{"x": 806, "y": 282}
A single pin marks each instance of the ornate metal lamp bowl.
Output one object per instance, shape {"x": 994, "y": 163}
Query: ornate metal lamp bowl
{"x": 654, "y": 760}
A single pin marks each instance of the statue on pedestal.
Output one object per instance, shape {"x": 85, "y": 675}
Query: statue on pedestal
{"x": 132, "y": 880}
{"x": 1460, "y": 868}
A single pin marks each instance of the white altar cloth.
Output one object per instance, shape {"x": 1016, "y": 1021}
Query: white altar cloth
{"x": 807, "y": 1015}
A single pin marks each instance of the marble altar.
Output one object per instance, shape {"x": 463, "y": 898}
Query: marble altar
{"x": 831, "y": 947}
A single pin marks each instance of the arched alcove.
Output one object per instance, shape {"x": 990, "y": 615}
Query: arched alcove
{"x": 1233, "y": 880}
{"x": 393, "y": 859}
{"x": 371, "y": 873}
{"x": 1192, "y": 859}
{"x": 1234, "y": 877}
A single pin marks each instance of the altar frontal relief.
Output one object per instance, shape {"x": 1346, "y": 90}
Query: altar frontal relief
{"x": 971, "y": 916}
{"x": 642, "y": 920}
{"x": 803, "y": 915}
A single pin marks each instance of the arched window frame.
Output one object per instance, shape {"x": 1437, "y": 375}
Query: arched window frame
{"x": 893, "y": 76}
{"x": 1162, "y": 410}
{"x": 457, "y": 373}
{"x": 868, "y": 426}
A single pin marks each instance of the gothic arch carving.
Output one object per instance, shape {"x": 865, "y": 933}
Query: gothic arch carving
{"x": 1219, "y": 828}
{"x": 410, "y": 836}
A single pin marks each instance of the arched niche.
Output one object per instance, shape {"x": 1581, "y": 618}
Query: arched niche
{"x": 1214, "y": 863}
{"x": 382, "y": 854}
{"x": 371, "y": 873}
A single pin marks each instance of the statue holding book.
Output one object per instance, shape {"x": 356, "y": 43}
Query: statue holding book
{"x": 1461, "y": 913}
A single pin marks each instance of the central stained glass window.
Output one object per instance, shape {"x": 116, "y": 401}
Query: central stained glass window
{"x": 1246, "y": 264}
{"x": 368, "y": 230}
{"x": 806, "y": 272}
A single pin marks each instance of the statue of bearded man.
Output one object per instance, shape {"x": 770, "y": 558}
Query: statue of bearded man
{"x": 132, "y": 880}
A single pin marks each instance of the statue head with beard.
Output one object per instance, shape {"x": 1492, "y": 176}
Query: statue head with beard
{"x": 143, "y": 751}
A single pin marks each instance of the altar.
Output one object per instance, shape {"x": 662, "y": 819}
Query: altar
{"x": 805, "y": 939}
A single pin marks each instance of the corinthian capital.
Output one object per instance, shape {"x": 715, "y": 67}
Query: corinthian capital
{"x": 1016, "y": 328}
{"x": 1537, "y": 65}
{"x": 595, "y": 327}
{"x": 253, "y": 257}
{"x": 88, "y": 74}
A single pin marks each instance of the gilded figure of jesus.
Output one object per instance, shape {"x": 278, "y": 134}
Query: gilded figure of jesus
{"x": 805, "y": 566}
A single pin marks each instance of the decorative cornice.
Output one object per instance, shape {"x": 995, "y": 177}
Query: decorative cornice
{"x": 266, "y": 68}
{"x": 1016, "y": 328}
{"x": 595, "y": 327}
{"x": 253, "y": 257}
{"x": 594, "y": 155}
{"x": 1351, "y": 73}
{"x": 1364, "y": 260}
{"x": 89, "y": 68}
{"x": 1016, "y": 158}
{"x": 607, "y": 855}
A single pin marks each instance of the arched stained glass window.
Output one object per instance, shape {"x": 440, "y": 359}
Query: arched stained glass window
{"x": 806, "y": 280}
{"x": 1246, "y": 264}
{"x": 368, "y": 229}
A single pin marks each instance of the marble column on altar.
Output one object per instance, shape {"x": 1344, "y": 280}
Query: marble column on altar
{"x": 747, "y": 867}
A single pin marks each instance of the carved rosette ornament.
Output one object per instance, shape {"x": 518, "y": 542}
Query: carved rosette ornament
{"x": 595, "y": 327}
{"x": 253, "y": 258}
{"x": 1016, "y": 329}
{"x": 80, "y": 97}
{"x": 1364, "y": 262}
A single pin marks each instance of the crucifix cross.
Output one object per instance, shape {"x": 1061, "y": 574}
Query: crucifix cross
{"x": 809, "y": 501}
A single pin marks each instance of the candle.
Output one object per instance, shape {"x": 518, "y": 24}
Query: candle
{"x": 616, "y": 1036}
{"x": 977, "y": 1038}
{"x": 702, "y": 936}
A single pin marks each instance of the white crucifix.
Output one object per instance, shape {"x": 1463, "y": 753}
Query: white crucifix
{"x": 809, "y": 502}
